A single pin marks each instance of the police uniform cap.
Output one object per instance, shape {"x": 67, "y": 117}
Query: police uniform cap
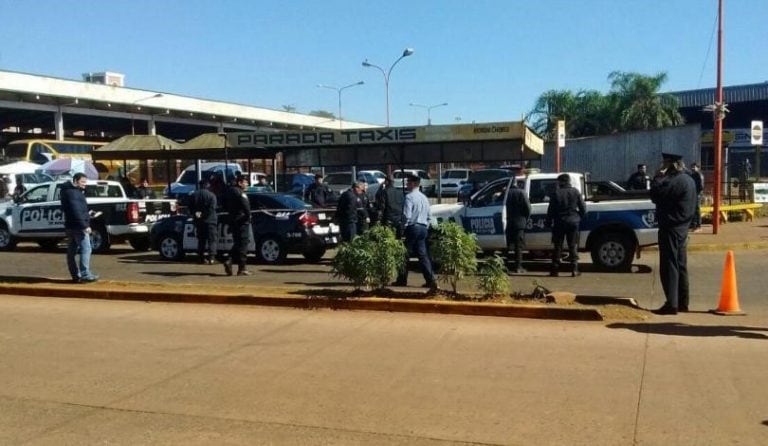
{"x": 671, "y": 156}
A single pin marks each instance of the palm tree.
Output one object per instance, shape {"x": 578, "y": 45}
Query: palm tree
{"x": 640, "y": 106}
{"x": 633, "y": 103}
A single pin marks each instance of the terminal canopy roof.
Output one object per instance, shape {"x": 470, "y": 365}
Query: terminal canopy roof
{"x": 482, "y": 142}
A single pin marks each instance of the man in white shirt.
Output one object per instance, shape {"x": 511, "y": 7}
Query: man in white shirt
{"x": 416, "y": 221}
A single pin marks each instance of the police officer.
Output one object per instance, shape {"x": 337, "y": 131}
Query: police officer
{"x": 239, "y": 209}
{"x": 566, "y": 208}
{"x": 640, "y": 179}
{"x": 674, "y": 194}
{"x": 318, "y": 193}
{"x": 416, "y": 216}
{"x": 346, "y": 212}
{"x": 518, "y": 210}
{"x": 202, "y": 207}
{"x": 389, "y": 204}
{"x": 363, "y": 206}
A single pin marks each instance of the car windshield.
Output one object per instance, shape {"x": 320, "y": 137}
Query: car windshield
{"x": 458, "y": 174}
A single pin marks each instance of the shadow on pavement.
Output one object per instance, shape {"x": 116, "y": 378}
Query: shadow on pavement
{"x": 678, "y": 329}
{"x": 539, "y": 268}
{"x": 31, "y": 279}
{"x": 293, "y": 271}
{"x": 345, "y": 294}
{"x": 179, "y": 274}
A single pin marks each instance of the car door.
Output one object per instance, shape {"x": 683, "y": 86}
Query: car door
{"x": 537, "y": 235}
{"x": 485, "y": 215}
{"x": 35, "y": 214}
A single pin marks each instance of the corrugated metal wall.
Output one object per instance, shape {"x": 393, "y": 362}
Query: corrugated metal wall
{"x": 615, "y": 157}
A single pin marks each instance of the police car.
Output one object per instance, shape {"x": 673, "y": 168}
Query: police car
{"x": 37, "y": 216}
{"x": 280, "y": 224}
{"x": 612, "y": 231}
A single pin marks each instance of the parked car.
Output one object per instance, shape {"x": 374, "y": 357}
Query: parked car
{"x": 480, "y": 178}
{"x": 186, "y": 183}
{"x": 427, "y": 184}
{"x": 452, "y": 180}
{"x": 341, "y": 181}
{"x": 281, "y": 224}
{"x": 37, "y": 216}
{"x": 379, "y": 175}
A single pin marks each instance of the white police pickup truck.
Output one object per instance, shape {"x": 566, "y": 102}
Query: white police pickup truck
{"x": 37, "y": 216}
{"x": 612, "y": 231}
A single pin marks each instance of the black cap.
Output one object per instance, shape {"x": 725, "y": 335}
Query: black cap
{"x": 241, "y": 177}
{"x": 413, "y": 179}
{"x": 639, "y": 166}
{"x": 671, "y": 156}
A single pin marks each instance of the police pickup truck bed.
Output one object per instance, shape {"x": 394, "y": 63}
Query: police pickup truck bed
{"x": 280, "y": 224}
{"x": 37, "y": 216}
{"x": 612, "y": 231}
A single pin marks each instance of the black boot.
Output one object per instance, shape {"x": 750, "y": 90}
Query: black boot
{"x": 554, "y": 270}
{"x": 575, "y": 269}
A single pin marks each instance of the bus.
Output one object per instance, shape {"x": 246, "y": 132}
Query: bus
{"x": 41, "y": 151}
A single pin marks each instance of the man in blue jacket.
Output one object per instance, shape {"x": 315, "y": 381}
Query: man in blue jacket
{"x": 77, "y": 223}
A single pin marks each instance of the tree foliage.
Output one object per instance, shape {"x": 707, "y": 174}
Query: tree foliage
{"x": 371, "y": 260}
{"x": 633, "y": 103}
{"x": 322, "y": 114}
{"x": 492, "y": 277}
{"x": 455, "y": 251}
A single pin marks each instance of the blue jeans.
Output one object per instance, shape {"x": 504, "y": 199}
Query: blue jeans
{"x": 79, "y": 241}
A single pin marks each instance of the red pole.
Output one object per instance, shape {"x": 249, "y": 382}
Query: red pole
{"x": 557, "y": 155}
{"x": 719, "y": 115}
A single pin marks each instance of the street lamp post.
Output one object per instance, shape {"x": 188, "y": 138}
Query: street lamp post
{"x": 429, "y": 109}
{"x": 339, "y": 90}
{"x": 407, "y": 52}
{"x": 156, "y": 95}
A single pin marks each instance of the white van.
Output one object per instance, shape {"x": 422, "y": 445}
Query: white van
{"x": 186, "y": 183}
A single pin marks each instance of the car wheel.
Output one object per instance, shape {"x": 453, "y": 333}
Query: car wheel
{"x": 613, "y": 252}
{"x": 49, "y": 244}
{"x": 100, "y": 241}
{"x": 7, "y": 242}
{"x": 314, "y": 251}
{"x": 270, "y": 250}
{"x": 170, "y": 247}
{"x": 139, "y": 243}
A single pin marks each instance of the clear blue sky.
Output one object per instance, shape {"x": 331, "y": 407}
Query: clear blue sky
{"x": 489, "y": 60}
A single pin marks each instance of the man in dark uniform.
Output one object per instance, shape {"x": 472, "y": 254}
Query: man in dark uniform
{"x": 389, "y": 204}
{"x": 518, "y": 211}
{"x": 363, "y": 205}
{"x": 144, "y": 192}
{"x": 346, "y": 213}
{"x": 639, "y": 180}
{"x": 318, "y": 193}
{"x": 674, "y": 194}
{"x": 202, "y": 208}
{"x": 566, "y": 208}
{"x": 239, "y": 209}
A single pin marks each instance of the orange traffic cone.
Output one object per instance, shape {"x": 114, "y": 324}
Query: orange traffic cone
{"x": 729, "y": 295}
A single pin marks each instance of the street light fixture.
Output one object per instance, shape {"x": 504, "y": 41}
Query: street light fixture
{"x": 429, "y": 109}
{"x": 339, "y": 90}
{"x": 406, "y": 52}
{"x": 156, "y": 95}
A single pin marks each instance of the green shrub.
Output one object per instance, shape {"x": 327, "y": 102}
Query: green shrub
{"x": 455, "y": 251}
{"x": 371, "y": 260}
{"x": 492, "y": 277}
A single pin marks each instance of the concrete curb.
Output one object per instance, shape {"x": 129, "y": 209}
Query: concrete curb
{"x": 313, "y": 302}
{"x": 718, "y": 246}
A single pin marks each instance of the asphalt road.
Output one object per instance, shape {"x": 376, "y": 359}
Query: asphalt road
{"x": 78, "y": 372}
{"x": 125, "y": 264}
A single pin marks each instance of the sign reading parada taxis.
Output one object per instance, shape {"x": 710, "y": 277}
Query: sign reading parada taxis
{"x": 385, "y": 135}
